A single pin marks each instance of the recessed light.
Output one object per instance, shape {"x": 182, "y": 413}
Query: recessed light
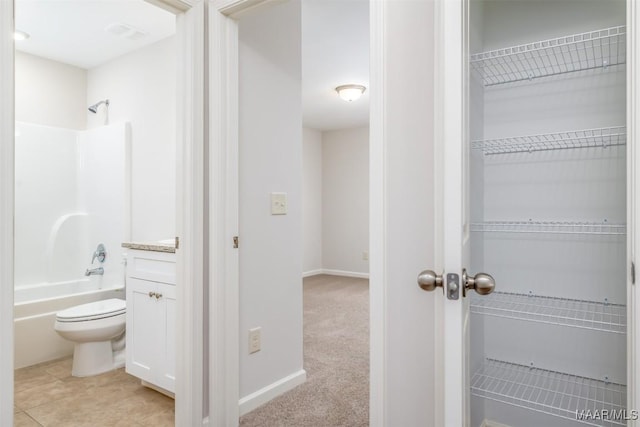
{"x": 350, "y": 92}
{"x": 20, "y": 35}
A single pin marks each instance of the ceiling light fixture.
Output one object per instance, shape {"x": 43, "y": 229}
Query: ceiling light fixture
{"x": 20, "y": 35}
{"x": 350, "y": 92}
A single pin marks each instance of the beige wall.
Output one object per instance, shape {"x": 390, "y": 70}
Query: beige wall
{"x": 345, "y": 200}
{"x": 311, "y": 200}
{"x": 50, "y": 93}
{"x": 270, "y": 156}
{"x": 141, "y": 88}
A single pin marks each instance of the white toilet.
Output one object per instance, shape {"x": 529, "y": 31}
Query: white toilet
{"x": 97, "y": 329}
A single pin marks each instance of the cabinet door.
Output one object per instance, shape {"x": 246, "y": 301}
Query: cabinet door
{"x": 144, "y": 338}
{"x": 167, "y": 376}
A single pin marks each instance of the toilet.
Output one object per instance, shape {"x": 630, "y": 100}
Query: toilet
{"x": 98, "y": 331}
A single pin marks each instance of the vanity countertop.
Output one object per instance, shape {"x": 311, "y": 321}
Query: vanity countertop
{"x": 153, "y": 246}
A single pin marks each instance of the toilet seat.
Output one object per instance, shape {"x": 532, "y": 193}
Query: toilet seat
{"x": 93, "y": 311}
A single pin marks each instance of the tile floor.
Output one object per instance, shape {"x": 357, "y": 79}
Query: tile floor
{"x": 47, "y": 395}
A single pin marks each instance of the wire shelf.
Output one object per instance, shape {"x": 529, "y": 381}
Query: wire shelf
{"x": 588, "y": 138}
{"x": 578, "y": 52}
{"x": 599, "y": 316}
{"x": 550, "y": 392}
{"x": 549, "y": 227}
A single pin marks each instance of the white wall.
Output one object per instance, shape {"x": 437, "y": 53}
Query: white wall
{"x": 345, "y": 200}
{"x": 270, "y": 161}
{"x": 141, "y": 87}
{"x": 312, "y": 200}
{"x": 50, "y": 93}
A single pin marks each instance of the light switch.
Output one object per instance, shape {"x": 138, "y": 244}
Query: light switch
{"x": 278, "y": 203}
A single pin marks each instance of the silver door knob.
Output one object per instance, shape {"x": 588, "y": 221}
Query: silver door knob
{"x": 482, "y": 283}
{"x": 428, "y": 280}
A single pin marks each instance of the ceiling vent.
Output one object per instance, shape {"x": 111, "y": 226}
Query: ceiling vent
{"x": 125, "y": 31}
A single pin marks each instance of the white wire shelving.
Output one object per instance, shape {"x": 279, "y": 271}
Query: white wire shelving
{"x": 550, "y": 227}
{"x": 587, "y": 138}
{"x": 550, "y": 392}
{"x": 593, "y": 315}
{"x": 578, "y": 52}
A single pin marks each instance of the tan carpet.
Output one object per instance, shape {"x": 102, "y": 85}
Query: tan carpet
{"x": 336, "y": 358}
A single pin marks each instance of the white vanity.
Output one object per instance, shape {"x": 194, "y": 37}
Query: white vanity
{"x": 151, "y": 314}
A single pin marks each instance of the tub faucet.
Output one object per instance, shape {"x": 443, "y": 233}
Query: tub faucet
{"x": 91, "y": 271}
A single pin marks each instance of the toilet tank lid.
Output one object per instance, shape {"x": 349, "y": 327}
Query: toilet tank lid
{"x": 97, "y": 308}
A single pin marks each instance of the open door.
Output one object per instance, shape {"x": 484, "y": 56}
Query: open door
{"x": 537, "y": 182}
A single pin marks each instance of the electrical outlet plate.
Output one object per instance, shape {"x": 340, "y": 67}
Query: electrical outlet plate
{"x": 365, "y": 256}
{"x": 254, "y": 340}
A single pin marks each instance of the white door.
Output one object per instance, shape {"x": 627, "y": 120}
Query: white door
{"x": 535, "y": 176}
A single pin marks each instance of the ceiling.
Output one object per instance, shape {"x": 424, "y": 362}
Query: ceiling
{"x": 74, "y": 31}
{"x": 335, "y": 45}
{"x": 335, "y": 51}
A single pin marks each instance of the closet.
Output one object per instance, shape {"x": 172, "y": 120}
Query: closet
{"x": 547, "y": 117}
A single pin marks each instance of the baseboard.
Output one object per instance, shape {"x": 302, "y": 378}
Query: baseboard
{"x": 312, "y": 273}
{"x": 262, "y": 396}
{"x": 488, "y": 423}
{"x": 345, "y": 273}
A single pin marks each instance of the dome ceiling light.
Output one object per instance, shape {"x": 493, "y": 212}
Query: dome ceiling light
{"x": 350, "y": 93}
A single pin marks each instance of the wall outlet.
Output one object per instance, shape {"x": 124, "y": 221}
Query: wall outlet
{"x": 365, "y": 256}
{"x": 278, "y": 203}
{"x": 254, "y": 340}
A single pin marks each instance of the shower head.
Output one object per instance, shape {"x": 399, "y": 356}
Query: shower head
{"x": 94, "y": 107}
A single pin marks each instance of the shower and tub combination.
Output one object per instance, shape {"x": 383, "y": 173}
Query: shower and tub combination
{"x": 72, "y": 195}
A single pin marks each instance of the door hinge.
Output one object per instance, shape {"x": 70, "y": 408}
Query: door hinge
{"x": 177, "y": 243}
{"x": 235, "y": 242}
{"x": 633, "y": 273}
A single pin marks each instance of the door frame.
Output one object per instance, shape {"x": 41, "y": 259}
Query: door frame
{"x": 450, "y": 126}
{"x": 7, "y": 135}
{"x": 449, "y": 135}
{"x": 191, "y": 123}
{"x": 223, "y": 184}
{"x": 633, "y": 205}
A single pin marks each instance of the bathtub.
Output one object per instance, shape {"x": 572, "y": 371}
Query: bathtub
{"x": 35, "y": 308}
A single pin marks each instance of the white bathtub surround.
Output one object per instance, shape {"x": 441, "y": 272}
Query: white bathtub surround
{"x": 83, "y": 179}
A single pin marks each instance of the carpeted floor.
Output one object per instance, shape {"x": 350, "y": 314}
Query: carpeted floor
{"x": 336, "y": 358}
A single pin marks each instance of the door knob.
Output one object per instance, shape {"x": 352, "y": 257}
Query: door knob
{"x": 428, "y": 280}
{"x": 482, "y": 283}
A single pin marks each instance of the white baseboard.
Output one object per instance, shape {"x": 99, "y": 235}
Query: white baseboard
{"x": 312, "y": 273}
{"x": 335, "y": 273}
{"x": 488, "y": 423}
{"x": 262, "y": 396}
{"x": 345, "y": 273}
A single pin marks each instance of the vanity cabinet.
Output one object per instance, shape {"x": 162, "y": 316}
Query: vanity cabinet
{"x": 151, "y": 317}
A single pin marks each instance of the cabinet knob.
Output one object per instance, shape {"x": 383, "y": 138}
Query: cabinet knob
{"x": 152, "y": 294}
{"x": 158, "y": 296}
